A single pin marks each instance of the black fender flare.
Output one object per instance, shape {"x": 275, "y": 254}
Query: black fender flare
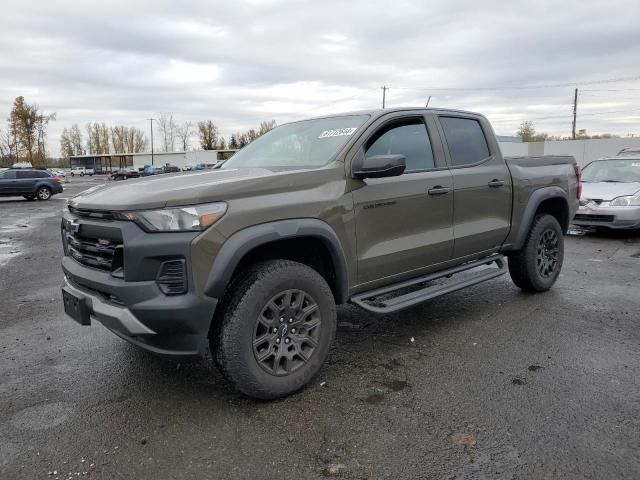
{"x": 537, "y": 197}
{"x": 242, "y": 242}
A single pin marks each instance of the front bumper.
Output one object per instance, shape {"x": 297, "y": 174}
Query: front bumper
{"x": 592, "y": 215}
{"x": 134, "y": 307}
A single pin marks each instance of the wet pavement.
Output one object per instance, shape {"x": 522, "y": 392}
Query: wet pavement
{"x": 484, "y": 383}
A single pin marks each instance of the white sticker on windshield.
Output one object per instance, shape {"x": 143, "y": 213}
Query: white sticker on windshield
{"x": 635, "y": 164}
{"x": 338, "y": 132}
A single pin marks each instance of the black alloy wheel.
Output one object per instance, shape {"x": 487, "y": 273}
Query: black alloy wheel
{"x": 287, "y": 332}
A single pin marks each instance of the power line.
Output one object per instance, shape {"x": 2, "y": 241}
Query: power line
{"x": 527, "y": 87}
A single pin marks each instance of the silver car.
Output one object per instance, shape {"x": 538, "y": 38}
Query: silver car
{"x": 610, "y": 194}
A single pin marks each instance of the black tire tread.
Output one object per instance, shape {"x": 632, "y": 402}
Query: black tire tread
{"x": 520, "y": 268}
{"x": 228, "y": 317}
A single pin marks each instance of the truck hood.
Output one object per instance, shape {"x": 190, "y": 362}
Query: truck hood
{"x": 169, "y": 190}
{"x": 608, "y": 190}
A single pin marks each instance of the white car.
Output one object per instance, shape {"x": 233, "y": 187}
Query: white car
{"x": 82, "y": 171}
{"x": 610, "y": 194}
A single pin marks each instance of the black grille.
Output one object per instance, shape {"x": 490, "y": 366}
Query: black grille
{"x": 99, "y": 253}
{"x": 172, "y": 279}
{"x": 100, "y": 214}
{"x": 594, "y": 218}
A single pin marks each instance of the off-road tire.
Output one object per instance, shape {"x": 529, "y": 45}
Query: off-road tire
{"x": 236, "y": 321}
{"x": 527, "y": 268}
{"x": 43, "y": 193}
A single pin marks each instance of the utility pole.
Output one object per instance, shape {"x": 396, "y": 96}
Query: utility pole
{"x": 151, "y": 120}
{"x": 384, "y": 94}
{"x": 575, "y": 111}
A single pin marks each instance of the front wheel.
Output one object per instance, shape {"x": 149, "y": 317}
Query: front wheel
{"x": 535, "y": 268}
{"x": 275, "y": 328}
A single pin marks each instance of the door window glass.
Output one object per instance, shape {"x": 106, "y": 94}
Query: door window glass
{"x": 412, "y": 141}
{"x": 8, "y": 175}
{"x": 465, "y": 139}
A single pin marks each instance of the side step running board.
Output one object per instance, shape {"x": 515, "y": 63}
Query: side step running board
{"x": 494, "y": 266}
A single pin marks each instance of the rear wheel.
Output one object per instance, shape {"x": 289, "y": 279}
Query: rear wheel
{"x": 535, "y": 268}
{"x": 275, "y": 329}
{"x": 43, "y": 193}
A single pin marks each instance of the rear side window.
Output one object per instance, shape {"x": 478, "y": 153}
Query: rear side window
{"x": 465, "y": 139}
{"x": 8, "y": 175}
{"x": 32, "y": 174}
{"x": 412, "y": 141}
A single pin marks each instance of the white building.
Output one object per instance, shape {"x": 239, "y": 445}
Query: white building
{"x": 104, "y": 163}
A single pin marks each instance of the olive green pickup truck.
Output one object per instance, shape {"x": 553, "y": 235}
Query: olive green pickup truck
{"x": 384, "y": 209}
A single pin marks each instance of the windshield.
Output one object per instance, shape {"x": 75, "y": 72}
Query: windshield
{"x": 300, "y": 145}
{"x": 615, "y": 171}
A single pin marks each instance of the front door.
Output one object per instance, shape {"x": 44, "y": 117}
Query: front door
{"x": 8, "y": 182}
{"x": 482, "y": 186}
{"x": 403, "y": 223}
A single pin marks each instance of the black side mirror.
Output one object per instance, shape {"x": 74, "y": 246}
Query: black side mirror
{"x": 379, "y": 166}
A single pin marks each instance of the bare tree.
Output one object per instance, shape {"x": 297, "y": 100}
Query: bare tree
{"x": 118, "y": 138}
{"x": 208, "y": 134}
{"x": 66, "y": 149}
{"x": 135, "y": 140}
{"x": 167, "y": 128}
{"x": 267, "y": 126}
{"x": 185, "y": 132}
{"x": 75, "y": 137}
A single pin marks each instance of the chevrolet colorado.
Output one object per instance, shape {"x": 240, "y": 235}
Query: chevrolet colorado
{"x": 384, "y": 209}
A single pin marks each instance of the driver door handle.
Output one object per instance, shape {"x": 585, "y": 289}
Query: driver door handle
{"x": 496, "y": 183}
{"x": 438, "y": 190}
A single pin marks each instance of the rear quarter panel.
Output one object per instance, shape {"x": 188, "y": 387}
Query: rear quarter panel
{"x": 533, "y": 173}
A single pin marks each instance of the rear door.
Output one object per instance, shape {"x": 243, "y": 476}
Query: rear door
{"x": 481, "y": 182}
{"x": 401, "y": 228}
{"x": 27, "y": 180}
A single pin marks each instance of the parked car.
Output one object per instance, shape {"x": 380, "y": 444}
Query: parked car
{"x": 187, "y": 168}
{"x": 147, "y": 170}
{"x": 29, "y": 183}
{"x": 252, "y": 258}
{"x": 125, "y": 173}
{"x": 171, "y": 169}
{"x": 82, "y": 171}
{"x": 611, "y": 194}
{"x": 57, "y": 172}
{"x": 629, "y": 152}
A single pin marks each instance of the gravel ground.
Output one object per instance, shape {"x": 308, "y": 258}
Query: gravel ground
{"x": 484, "y": 383}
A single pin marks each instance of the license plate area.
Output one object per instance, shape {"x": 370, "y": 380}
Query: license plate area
{"x": 76, "y": 307}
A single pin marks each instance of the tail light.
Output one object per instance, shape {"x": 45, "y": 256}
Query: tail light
{"x": 57, "y": 179}
{"x": 579, "y": 177}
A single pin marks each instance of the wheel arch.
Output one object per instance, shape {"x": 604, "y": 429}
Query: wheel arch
{"x": 241, "y": 244}
{"x": 551, "y": 200}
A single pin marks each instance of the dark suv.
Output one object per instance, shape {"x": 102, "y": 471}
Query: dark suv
{"x": 30, "y": 183}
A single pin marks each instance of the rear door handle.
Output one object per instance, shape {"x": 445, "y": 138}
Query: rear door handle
{"x": 495, "y": 183}
{"x": 438, "y": 190}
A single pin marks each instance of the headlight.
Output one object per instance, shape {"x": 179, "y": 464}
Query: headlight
{"x": 626, "y": 201}
{"x": 178, "y": 219}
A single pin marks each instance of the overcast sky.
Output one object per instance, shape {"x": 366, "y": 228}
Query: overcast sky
{"x": 242, "y": 62}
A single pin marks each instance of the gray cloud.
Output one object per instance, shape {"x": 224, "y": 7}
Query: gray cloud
{"x": 242, "y": 62}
